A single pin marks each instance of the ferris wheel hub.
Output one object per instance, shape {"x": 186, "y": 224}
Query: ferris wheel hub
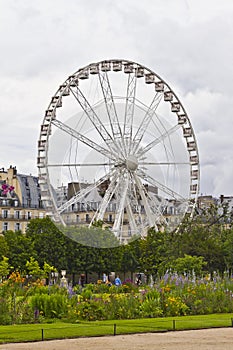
{"x": 131, "y": 163}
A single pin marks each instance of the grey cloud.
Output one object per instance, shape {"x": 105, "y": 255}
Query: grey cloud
{"x": 187, "y": 43}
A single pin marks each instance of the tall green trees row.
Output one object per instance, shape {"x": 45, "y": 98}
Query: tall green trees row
{"x": 195, "y": 246}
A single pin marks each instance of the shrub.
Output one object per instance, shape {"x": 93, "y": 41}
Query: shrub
{"x": 90, "y": 311}
{"x": 5, "y": 317}
{"x": 51, "y": 306}
{"x": 151, "y": 304}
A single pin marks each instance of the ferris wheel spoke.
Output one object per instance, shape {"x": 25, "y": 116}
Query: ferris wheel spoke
{"x": 81, "y": 194}
{"x": 129, "y": 111}
{"x": 163, "y": 163}
{"x": 141, "y": 189}
{"x": 108, "y": 196}
{"x": 134, "y": 198}
{"x": 121, "y": 205}
{"x": 84, "y": 139}
{"x": 132, "y": 223}
{"x": 111, "y": 111}
{"x": 146, "y": 120}
{"x": 158, "y": 140}
{"x": 156, "y": 206}
{"x": 165, "y": 189}
{"x": 64, "y": 165}
{"x": 95, "y": 120}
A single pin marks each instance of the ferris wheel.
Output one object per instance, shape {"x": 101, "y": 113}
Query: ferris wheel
{"x": 116, "y": 146}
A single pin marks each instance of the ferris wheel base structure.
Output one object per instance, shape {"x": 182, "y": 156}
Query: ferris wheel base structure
{"x": 117, "y": 150}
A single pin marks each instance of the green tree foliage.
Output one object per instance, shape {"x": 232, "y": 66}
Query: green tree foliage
{"x": 47, "y": 269}
{"x": 95, "y": 237}
{"x": 198, "y": 239}
{"x": 20, "y": 249}
{"x": 92, "y": 251}
{"x": 48, "y": 243}
{"x": 130, "y": 258}
{"x": 33, "y": 268}
{"x": 154, "y": 250}
{"x": 58, "y": 250}
{"x": 4, "y": 249}
{"x": 228, "y": 249}
{"x": 4, "y": 268}
{"x": 189, "y": 264}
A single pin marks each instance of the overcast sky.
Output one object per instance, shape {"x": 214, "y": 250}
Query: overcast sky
{"x": 189, "y": 43}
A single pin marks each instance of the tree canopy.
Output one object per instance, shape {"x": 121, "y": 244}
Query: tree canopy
{"x": 199, "y": 244}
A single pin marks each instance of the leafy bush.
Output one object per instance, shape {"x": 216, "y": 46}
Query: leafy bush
{"x": 51, "y": 306}
{"x": 5, "y": 317}
{"x": 151, "y": 304}
{"x": 90, "y": 311}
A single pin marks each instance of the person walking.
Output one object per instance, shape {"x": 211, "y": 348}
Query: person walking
{"x": 117, "y": 281}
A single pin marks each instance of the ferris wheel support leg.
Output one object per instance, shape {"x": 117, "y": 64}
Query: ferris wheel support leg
{"x": 149, "y": 213}
{"x": 120, "y": 210}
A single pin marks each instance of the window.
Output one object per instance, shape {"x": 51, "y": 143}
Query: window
{"x": 5, "y": 214}
{"x": 29, "y": 215}
{"x": 41, "y": 215}
{"x": 17, "y": 214}
{"x": 171, "y": 211}
{"x": 5, "y": 226}
{"x": 87, "y": 218}
{"x": 17, "y": 226}
{"x": 77, "y": 218}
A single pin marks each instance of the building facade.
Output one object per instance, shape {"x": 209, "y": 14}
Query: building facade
{"x": 19, "y": 200}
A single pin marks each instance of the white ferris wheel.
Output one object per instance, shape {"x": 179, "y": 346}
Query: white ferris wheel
{"x": 117, "y": 146}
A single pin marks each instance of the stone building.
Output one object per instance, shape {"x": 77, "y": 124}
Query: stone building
{"x": 19, "y": 200}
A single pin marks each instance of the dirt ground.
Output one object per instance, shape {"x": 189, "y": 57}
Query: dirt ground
{"x": 209, "y": 339}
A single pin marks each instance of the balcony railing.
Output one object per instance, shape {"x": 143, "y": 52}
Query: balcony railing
{"x": 12, "y": 217}
{"x": 8, "y": 202}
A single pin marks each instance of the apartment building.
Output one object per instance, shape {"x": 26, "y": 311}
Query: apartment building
{"x": 19, "y": 200}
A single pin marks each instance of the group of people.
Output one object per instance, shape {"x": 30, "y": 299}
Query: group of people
{"x": 111, "y": 280}
{"x": 117, "y": 281}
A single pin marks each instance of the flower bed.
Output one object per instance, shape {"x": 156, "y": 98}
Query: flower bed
{"x": 172, "y": 295}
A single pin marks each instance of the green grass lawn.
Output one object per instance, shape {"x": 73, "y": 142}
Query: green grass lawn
{"x": 60, "y": 330}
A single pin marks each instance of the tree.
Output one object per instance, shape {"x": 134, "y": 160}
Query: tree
{"x": 131, "y": 257}
{"x": 96, "y": 237}
{"x": 19, "y": 249}
{"x": 4, "y": 267}
{"x": 4, "y": 249}
{"x": 154, "y": 250}
{"x": 33, "y": 268}
{"x": 228, "y": 249}
{"x": 189, "y": 264}
{"x": 48, "y": 243}
{"x": 197, "y": 239}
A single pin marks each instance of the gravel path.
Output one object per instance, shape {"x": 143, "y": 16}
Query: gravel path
{"x": 209, "y": 339}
